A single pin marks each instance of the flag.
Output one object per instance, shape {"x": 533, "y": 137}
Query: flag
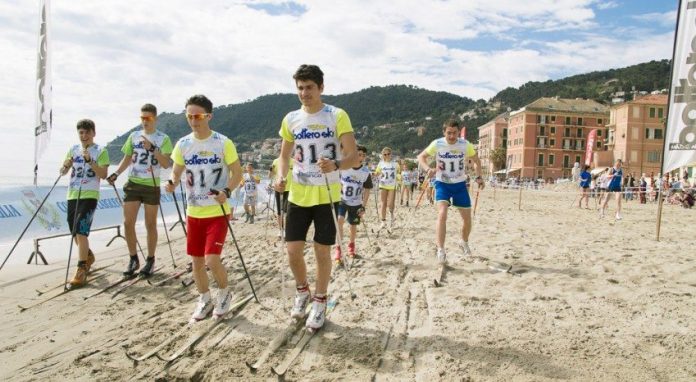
{"x": 44, "y": 113}
{"x": 591, "y": 139}
{"x": 462, "y": 133}
{"x": 680, "y": 132}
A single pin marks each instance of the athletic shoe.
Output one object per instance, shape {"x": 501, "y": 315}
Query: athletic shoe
{"x": 383, "y": 224}
{"x": 317, "y": 314}
{"x": 337, "y": 254}
{"x": 80, "y": 277}
{"x": 618, "y": 216}
{"x": 301, "y": 301}
{"x": 148, "y": 268}
{"x": 351, "y": 249}
{"x": 251, "y": 219}
{"x": 441, "y": 256}
{"x": 246, "y": 219}
{"x": 189, "y": 267}
{"x": 203, "y": 307}
{"x": 224, "y": 298}
{"x": 133, "y": 265}
{"x": 465, "y": 247}
{"x": 90, "y": 260}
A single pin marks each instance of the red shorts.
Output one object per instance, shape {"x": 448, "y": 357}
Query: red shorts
{"x": 206, "y": 236}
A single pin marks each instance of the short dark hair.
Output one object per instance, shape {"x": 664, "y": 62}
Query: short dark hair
{"x": 362, "y": 148}
{"x": 202, "y": 101}
{"x": 450, "y": 123}
{"x": 86, "y": 124}
{"x": 149, "y": 108}
{"x": 309, "y": 73}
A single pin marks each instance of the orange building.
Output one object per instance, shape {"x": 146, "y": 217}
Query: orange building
{"x": 636, "y": 134}
{"x": 492, "y": 135}
{"x": 547, "y": 137}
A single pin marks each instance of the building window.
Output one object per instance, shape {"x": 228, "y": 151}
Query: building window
{"x": 567, "y": 121}
{"x": 566, "y": 161}
{"x": 580, "y": 121}
{"x": 542, "y": 130}
{"x": 540, "y": 162}
{"x": 538, "y": 118}
{"x": 653, "y": 133}
{"x": 567, "y": 132}
{"x": 579, "y": 135}
{"x": 652, "y": 112}
{"x": 553, "y": 129}
{"x": 636, "y": 112}
{"x": 635, "y": 133}
{"x": 599, "y": 121}
{"x": 552, "y": 142}
{"x": 577, "y": 158}
{"x": 660, "y": 113}
{"x": 599, "y": 144}
{"x": 553, "y": 119}
{"x": 653, "y": 156}
{"x": 634, "y": 156}
{"x": 599, "y": 133}
{"x": 504, "y": 143}
{"x": 504, "y": 132}
{"x": 551, "y": 159}
{"x": 658, "y": 133}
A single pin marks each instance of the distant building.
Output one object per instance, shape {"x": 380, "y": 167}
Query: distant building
{"x": 492, "y": 135}
{"x": 636, "y": 134}
{"x": 547, "y": 136}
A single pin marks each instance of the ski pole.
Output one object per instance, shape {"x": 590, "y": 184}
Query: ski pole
{"x": 31, "y": 220}
{"x": 281, "y": 229}
{"x": 326, "y": 155}
{"x": 73, "y": 233}
{"x": 169, "y": 243}
{"x": 234, "y": 239}
{"x": 476, "y": 200}
{"x": 178, "y": 212}
{"x": 120, "y": 201}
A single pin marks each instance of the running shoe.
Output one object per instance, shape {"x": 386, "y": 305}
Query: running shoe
{"x": 133, "y": 265}
{"x": 148, "y": 268}
{"x": 465, "y": 247}
{"x": 317, "y": 315}
{"x": 441, "y": 256}
{"x": 203, "y": 307}
{"x": 301, "y": 301}
{"x": 224, "y": 298}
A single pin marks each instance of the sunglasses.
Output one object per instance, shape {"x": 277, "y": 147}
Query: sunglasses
{"x": 147, "y": 118}
{"x": 386, "y": 153}
{"x": 197, "y": 117}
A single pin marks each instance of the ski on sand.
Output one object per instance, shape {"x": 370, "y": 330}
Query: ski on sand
{"x": 91, "y": 272}
{"x": 172, "y": 276}
{"x": 65, "y": 291}
{"x": 192, "y": 341}
{"x": 307, "y": 335}
{"x": 159, "y": 347}
{"x": 137, "y": 277}
{"x": 278, "y": 341}
{"x": 114, "y": 284}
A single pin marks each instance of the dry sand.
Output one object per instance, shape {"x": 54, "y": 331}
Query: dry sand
{"x": 584, "y": 299}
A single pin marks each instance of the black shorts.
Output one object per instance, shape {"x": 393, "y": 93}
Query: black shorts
{"x": 285, "y": 201}
{"x": 300, "y": 218}
{"x": 134, "y": 192}
{"x": 85, "y": 214}
{"x": 351, "y": 211}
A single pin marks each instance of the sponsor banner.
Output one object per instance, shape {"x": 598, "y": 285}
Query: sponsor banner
{"x": 591, "y": 141}
{"x": 44, "y": 113}
{"x": 680, "y": 134}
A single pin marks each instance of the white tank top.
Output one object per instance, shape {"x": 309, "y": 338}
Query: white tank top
{"x": 249, "y": 184}
{"x": 141, "y": 159}
{"x": 83, "y": 171}
{"x": 352, "y": 182}
{"x": 205, "y": 168}
{"x": 388, "y": 173}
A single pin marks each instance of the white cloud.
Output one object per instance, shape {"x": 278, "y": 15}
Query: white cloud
{"x": 665, "y": 19}
{"x": 602, "y": 5}
{"x": 111, "y": 57}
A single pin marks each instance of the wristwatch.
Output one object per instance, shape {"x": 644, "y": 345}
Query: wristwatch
{"x": 228, "y": 192}
{"x": 338, "y": 164}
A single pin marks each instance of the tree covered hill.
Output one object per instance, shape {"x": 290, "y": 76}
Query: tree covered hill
{"x": 405, "y": 117}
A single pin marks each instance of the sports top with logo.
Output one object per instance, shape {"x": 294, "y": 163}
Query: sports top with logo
{"x": 352, "y": 184}
{"x": 249, "y": 184}
{"x": 312, "y": 135}
{"x": 388, "y": 172}
{"x": 206, "y": 164}
{"x": 406, "y": 177}
{"x": 83, "y": 171}
{"x": 288, "y": 179}
{"x": 451, "y": 159}
{"x": 141, "y": 159}
{"x": 615, "y": 180}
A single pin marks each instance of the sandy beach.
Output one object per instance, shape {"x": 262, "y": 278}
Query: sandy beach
{"x": 550, "y": 293}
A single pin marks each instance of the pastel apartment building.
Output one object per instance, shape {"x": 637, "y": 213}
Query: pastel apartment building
{"x": 636, "y": 135}
{"x": 546, "y": 137}
{"x": 491, "y": 136}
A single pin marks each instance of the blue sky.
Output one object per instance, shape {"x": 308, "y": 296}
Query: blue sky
{"x": 111, "y": 57}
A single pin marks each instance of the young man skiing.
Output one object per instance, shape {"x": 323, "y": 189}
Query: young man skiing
{"x": 146, "y": 152}
{"x": 353, "y": 200}
{"x": 319, "y": 139}
{"x": 250, "y": 182}
{"x": 211, "y": 163}
{"x": 451, "y": 153}
{"x": 388, "y": 170}
{"x": 89, "y": 163}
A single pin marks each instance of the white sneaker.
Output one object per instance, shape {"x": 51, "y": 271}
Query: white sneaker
{"x": 441, "y": 256}
{"x": 224, "y": 298}
{"x": 465, "y": 247}
{"x": 203, "y": 307}
{"x": 618, "y": 216}
{"x": 301, "y": 301}
{"x": 317, "y": 315}
{"x": 383, "y": 224}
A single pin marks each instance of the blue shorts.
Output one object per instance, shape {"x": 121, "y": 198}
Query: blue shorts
{"x": 455, "y": 194}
